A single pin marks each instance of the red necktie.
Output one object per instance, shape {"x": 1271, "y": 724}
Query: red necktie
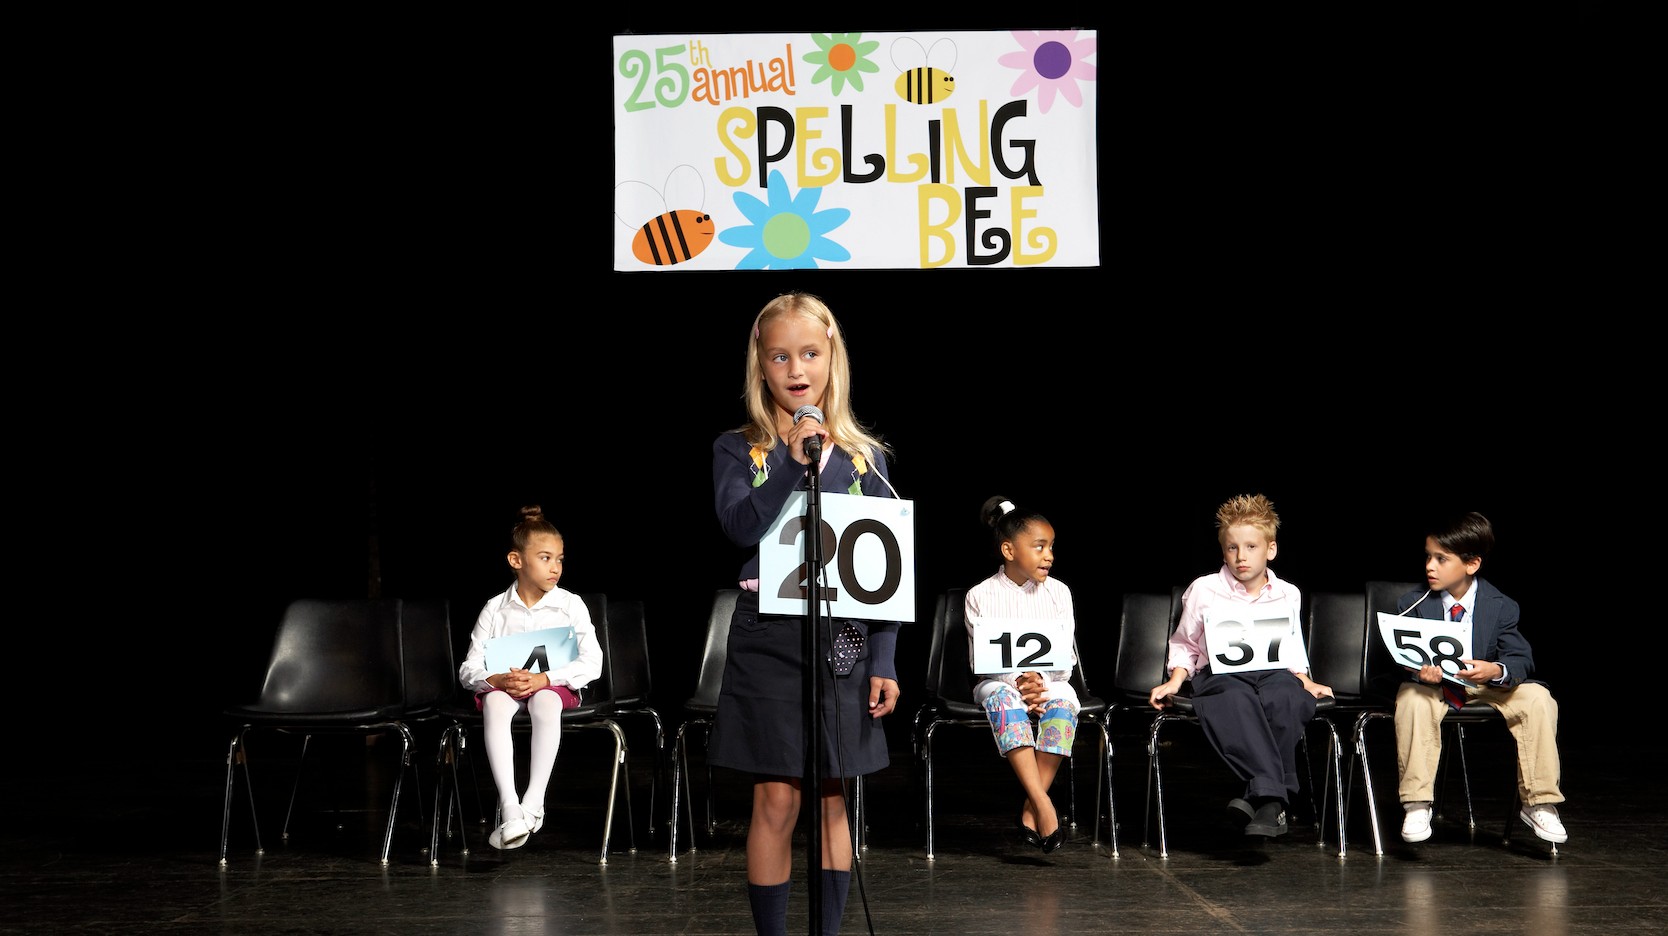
{"x": 1451, "y": 691}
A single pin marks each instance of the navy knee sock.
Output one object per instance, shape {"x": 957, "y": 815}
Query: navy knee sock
{"x": 835, "y": 886}
{"x": 770, "y": 907}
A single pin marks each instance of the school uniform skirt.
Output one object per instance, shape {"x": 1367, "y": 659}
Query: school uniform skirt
{"x": 760, "y": 723}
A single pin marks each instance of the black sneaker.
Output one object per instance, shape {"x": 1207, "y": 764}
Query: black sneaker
{"x": 1240, "y": 812}
{"x": 1269, "y": 821}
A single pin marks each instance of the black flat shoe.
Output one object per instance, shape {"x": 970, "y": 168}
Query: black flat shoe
{"x": 1055, "y": 839}
{"x": 1270, "y": 820}
{"x": 1031, "y": 837}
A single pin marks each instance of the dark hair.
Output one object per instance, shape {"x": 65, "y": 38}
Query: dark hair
{"x": 1468, "y": 536}
{"x": 1008, "y": 521}
{"x": 532, "y": 524}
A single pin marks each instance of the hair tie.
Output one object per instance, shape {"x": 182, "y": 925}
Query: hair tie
{"x": 1007, "y": 507}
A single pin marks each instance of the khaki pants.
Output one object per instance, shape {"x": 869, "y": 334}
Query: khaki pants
{"x": 1531, "y": 716}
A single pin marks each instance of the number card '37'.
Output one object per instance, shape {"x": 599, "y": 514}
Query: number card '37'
{"x": 868, "y": 558}
{"x": 1241, "y": 638}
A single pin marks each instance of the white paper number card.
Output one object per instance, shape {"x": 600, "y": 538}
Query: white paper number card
{"x": 1243, "y": 638}
{"x": 1021, "y": 645}
{"x": 868, "y": 558}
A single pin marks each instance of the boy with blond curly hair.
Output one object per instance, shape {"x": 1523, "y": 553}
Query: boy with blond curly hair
{"x": 1253, "y": 719}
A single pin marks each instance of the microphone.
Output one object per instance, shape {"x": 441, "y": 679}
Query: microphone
{"x": 813, "y": 444}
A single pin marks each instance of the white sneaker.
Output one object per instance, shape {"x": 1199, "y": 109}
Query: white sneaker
{"x": 512, "y": 834}
{"x": 1544, "y": 820}
{"x": 534, "y": 817}
{"x": 1416, "y": 825}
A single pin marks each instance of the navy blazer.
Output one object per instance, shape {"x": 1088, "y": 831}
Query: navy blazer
{"x": 1494, "y": 633}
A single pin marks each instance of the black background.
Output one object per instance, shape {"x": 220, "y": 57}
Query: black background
{"x": 1361, "y": 265}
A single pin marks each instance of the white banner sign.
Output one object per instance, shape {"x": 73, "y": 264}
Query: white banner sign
{"x": 1021, "y": 645}
{"x": 1242, "y": 638}
{"x": 773, "y": 151}
{"x": 868, "y": 557}
{"x": 1416, "y": 642}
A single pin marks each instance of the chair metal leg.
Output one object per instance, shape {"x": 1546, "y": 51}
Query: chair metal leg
{"x": 452, "y": 740}
{"x": 1155, "y": 785}
{"x": 680, "y": 756}
{"x": 300, "y": 768}
{"x": 1367, "y": 775}
{"x": 1335, "y": 774}
{"x": 683, "y": 786}
{"x": 407, "y": 742}
{"x": 926, "y": 754}
{"x": 613, "y": 786}
{"x": 1104, "y": 769}
{"x": 237, "y": 756}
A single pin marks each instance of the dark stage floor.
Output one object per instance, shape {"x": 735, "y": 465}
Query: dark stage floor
{"x": 132, "y": 847}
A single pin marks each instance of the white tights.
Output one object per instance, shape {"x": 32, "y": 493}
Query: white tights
{"x": 544, "y": 708}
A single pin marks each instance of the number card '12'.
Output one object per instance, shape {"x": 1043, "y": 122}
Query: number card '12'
{"x": 1021, "y": 645}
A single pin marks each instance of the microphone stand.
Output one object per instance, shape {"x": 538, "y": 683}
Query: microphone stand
{"x": 813, "y": 689}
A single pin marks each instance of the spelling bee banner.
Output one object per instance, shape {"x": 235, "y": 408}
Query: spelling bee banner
{"x": 772, "y": 151}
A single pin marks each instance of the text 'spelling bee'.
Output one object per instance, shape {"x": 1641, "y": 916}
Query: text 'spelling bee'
{"x": 670, "y": 235}
{"x": 919, "y": 82}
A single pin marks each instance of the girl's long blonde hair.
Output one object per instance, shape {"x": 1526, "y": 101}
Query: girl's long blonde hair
{"x": 837, "y": 416}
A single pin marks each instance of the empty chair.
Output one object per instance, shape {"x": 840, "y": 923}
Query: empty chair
{"x": 1336, "y": 623}
{"x": 336, "y": 668}
{"x": 628, "y": 669}
{"x": 698, "y": 712}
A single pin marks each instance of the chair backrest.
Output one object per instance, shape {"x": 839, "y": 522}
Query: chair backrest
{"x": 711, "y": 677}
{"x": 1143, "y": 642}
{"x": 601, "y": 690}
{"x": 935, "y": 649}
{"x": 335, "y": 656}
{"x": 430, "y": 670}
{"x": 954, "y": 671}
{"x": 1384, "y": 673}
{"x": 628, "y": 653}
{"x": 1337, "y": 637}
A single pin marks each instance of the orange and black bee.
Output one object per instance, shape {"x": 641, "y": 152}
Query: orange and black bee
{"x": 670, "y": 235}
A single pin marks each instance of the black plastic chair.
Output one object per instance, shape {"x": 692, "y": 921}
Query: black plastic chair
{"x": 698, "y": 712}
{"x": 632, "y": 684}
{"x": 1384, "y": 675}
{"x": 593, "y": 714}
{"x": 336, "y": 668}
{"x": 1336, "y": 627}
{"x": 950, "y": 702}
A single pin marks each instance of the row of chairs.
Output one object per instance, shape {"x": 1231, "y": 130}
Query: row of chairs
{"x": 379, "y": 667}
{"x": 1340, "y": 632}
{"x": 385, "y": 667}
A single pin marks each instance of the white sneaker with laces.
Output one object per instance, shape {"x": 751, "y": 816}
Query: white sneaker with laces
{"x": 1544, "y": 820}
{"x": 1416, "y": 825}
